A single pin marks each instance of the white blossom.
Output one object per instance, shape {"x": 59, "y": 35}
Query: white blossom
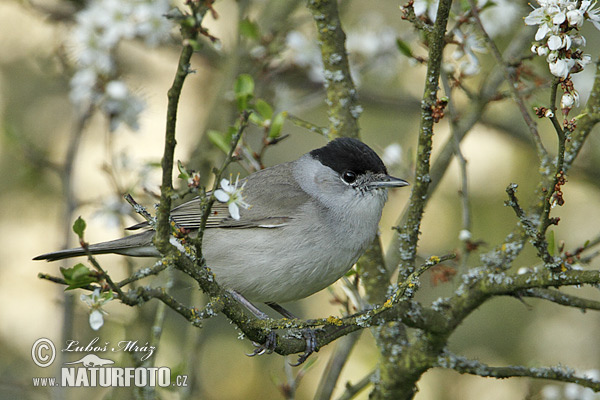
{"x": 99, "y": 28}
{"x": 569, "y": 100}
{"x": 95, "y": 301}
{"x": 232, "y": 195}
{"x": 464, "y": 235}
{"x": 392, "y": 154}
{"x": 561, "y": 68}
{"x": 558, "y": 24}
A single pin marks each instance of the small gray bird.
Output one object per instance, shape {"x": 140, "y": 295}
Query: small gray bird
{"x": 308, "y": 222}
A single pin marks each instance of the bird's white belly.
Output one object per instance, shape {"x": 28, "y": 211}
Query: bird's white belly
{"x": 278, "y": 274}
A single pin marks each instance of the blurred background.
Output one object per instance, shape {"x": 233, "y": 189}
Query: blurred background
{"x": 39, "y": 122}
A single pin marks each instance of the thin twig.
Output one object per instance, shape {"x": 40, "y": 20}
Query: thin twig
{"x": 513, "y": 83}
{"x": 474, "y": 367}
{"x": 353, "y": 390}
{"x": 561, "y": 298}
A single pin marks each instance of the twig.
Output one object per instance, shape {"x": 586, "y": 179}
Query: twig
{"x": 462, "y": 162}
{"x": 353, "y": 390}
{"x": 334, "y": 366}
{"x": 190, "y": 34}
{"x": 143, "y": 273}
{"x": 307, "y": 125}
{"x": 192, "y": 314}
{"x": 407, "y": 288}
{"x": 561, "y": 298}
{"x": 474, "y": 367}
{"x": 409, "y": 233}
{"x": 138, "y": 208}
{"x": 513, "y": 83}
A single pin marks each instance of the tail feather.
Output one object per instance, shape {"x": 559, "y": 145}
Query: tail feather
{"x": 139, "y": 245}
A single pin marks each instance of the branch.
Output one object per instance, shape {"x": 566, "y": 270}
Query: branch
{"x": 189, "y": 34}
{"x": 353, "y": 390}
{"x": 192, "y": 314}
{"x": 561, "y": 298}
{"x": 409, "y": 233}
{"x": 342, "y": 101}
{"x": 474, "y": 367}
{"x": 511, "y": 78}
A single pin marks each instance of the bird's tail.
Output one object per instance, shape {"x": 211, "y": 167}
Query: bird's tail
{"x": 138, "y": 245}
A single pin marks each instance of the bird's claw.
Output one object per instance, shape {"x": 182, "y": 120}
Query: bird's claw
{"x": 311, "y": 346}
{"x": 267, "y": 347}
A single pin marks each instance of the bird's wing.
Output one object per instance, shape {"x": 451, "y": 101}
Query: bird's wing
{"x": 270, "y": 208}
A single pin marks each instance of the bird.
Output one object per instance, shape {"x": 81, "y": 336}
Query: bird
{"x": 303, "y": 225}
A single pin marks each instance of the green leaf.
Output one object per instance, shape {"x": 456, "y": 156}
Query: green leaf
{"x": 244, "y": 91}
{"x": 79, "y": 227}
{"x": 404, "y": 48}
{"x": 551, "y": 244}
{"x": 249, "y": 29}
{"x": 264, "y": 109}
{"x": 256, "y": 119}
{"x": 277, "y": 125}
{"x": 77, "y": 277}
{"x": 218, "y": 139}
{"x": 183, "y": 173}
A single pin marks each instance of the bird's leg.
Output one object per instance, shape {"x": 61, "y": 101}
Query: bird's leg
{"x": 246, "y": 303}
{"x": 281, "y": 310}
{"x": 307, "y": 333}
{"x": 271, "y": 341}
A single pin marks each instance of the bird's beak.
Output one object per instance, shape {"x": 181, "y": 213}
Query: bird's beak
{"x": 387, "y": 181}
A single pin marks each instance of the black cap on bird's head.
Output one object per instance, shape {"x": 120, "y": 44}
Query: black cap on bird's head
{"x": 351, "y": 157}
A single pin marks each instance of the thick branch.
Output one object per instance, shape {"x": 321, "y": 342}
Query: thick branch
{"x": 342, "y": 103}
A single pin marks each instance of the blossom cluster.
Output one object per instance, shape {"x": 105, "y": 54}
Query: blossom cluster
{"x": 558, "y": 39}
{"x": 99, "y": 29}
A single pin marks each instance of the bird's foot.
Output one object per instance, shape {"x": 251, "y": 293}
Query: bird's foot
{"x": 267, "y": 348}
{"x": 309, "y": 336}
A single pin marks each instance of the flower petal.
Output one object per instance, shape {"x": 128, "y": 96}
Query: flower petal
{"x": 226, "y": 186}
{"x": 234, "y": 211}
{"x": 221, "y": 195}
{"x": 96, "y": 319}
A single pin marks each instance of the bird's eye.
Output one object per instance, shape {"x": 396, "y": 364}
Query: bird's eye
{"x": 348, "y": 176}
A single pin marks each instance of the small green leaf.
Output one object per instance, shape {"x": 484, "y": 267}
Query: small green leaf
{"x": 78, "y": 276}
{"x": 264, "y": 109}
{"x": 277, "y": 125}
{"x": 404, "y": 48}
{"x": 249, "y": 29}
{"x": 183, "y": 173}
{"x": 256, "y": 119}
{"x": 244, "y": 91}
{"x": 79, "y": 227}
{"x": 551, "y": 244}
{"x": 218, "y": 139}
